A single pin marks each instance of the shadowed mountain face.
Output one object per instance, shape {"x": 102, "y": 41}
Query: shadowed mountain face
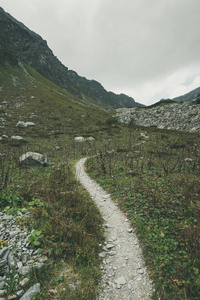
{"x": 189, "y": 96}
{"x": 18, "y": 43}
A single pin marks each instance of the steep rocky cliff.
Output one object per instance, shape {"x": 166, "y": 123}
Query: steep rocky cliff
{"x": 18, "y": 43}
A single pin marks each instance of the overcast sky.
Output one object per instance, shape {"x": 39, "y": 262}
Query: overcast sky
{"x": 147, "y": 49}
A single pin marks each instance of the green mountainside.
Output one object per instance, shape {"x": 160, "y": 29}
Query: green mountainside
{"x": 30, "y": 96}
{"x": 29, "y": 48}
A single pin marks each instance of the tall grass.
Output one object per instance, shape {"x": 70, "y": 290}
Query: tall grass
{"x": 157, "y": 184}
{"x": 66, "y": 220}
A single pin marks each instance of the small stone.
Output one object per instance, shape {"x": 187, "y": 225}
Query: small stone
{"x": 102, "y": 254}
{"x": 23, "y": 282}
{"x": 130, "y": 230}
{"x": 19, "y": 264}
{"x": 112, "y": 253}
{"x": 7, "y": 217}
{"x": 106, "y": 197}
{"x": 12, "y": 297}
{"x": 24, "y": 270}
{"x": 38, "y": 265}
{"x": 43, "y": 259}
{"x": 140, "y": 271}
{"x": 118, "y": 286}
{"x": 11, "y": 260}
{"x": 3, "y": 262}
{"x": 109, "y": 246}
{"x": 120, "y": 281}
{"x": 107, "y": 225}
{"x": 13, "y": 233}
{"x": 19, "y": 293}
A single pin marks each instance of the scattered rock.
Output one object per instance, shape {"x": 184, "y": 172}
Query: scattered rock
{"x": 17, "y": 256}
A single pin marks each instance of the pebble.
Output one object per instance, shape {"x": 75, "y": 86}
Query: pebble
{"x": 17, "y": 255}
{"x": 120, "y": 280}
{"x": 109, "y": 246}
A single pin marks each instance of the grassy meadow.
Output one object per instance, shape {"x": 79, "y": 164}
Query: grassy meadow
{"x": 153, "y": 178}
{"x": 156, "y": 181}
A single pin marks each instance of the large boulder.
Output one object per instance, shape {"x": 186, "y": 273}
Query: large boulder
{"x": 34, "y": 159}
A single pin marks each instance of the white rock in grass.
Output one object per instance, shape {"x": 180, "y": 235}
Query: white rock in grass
{"x": 30, "y": 124}
{"x": 34, "y": 159}
{"x": 17, "y": 138}
{"x": 91, "y": 139}
{"x": 79, "y": 139}
{"x": 21, "y": 124}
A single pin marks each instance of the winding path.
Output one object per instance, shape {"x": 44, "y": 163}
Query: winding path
{"x": 124, "y": 275}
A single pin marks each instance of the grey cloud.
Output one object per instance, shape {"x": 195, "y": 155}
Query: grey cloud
{"x": 126, "y": 45}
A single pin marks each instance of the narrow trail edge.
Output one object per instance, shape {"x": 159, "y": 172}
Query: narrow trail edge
{"x": 124, "y": 275}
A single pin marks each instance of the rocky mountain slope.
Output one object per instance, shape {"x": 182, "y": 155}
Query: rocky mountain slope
{"x": 18, "y": 43}
{"x": 187, "y": 97}
{"x": 176, "y": 116}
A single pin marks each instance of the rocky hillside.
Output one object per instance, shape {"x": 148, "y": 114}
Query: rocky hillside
{"x": 18, "y": 43}
{"x": 177, "y": 116}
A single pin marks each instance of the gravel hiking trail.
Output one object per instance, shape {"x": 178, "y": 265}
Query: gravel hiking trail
{"x": 124, "y": 275}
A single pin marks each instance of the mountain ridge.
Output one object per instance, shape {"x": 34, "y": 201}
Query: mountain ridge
{"x": 29, "y": 48}
{"x": 184, "y": 98}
